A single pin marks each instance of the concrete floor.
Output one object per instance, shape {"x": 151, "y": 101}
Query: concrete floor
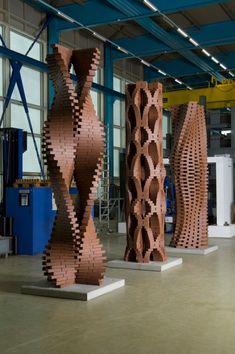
{"x": 186, "y": 310}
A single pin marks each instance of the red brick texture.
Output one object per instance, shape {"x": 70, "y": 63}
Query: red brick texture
{"x": 188, "y": 162}
{"x": 73, "y": 146}
{"x": 145, "y": 174}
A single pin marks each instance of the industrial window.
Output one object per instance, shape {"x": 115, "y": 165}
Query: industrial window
{"x": 34, "y": 86}
{"x": 116, "y": 157}
{"x": 119, "y": 132}
{"x": 18, "y": 118}
{"x": 1, "y": 109}
{"x": 165, "y": 128}
{"x": 1, "y": 80}
{"x": 117, "y": 108}
{"x": 21, "y": 45}
{"x": 117, "y": 137}
{"x": 97, "y": 96}
{"x": 29, "y": 158}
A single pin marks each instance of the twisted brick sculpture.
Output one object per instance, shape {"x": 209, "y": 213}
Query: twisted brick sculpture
{"x": 189, "y": 166}
{"x": 145, "y": 174}
{"x": 73, "y": 147}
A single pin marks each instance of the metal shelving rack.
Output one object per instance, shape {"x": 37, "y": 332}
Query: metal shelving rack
{"x": 104, "y": 190}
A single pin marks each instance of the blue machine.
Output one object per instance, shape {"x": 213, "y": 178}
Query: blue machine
{"x": 33, "y": 217}
{"x": 31, "y": 209}
{"x": 13, "y": 143}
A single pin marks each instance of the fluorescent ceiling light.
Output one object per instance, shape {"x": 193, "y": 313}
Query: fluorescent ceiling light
{"x": 193, "y": 42}
{"x": 189, "y": 88}
{"x": 184, "y": 34}
{"x": 65, "y": 17}
{"x": 123, "y": 50}
{"x": 150, "y": 5}
{"x": 215, "y": 60}
{"x": 206, "y": 52}
{"x": 97, "y": 35}
{"x": 145, "y": 63}
{"x": 223, "y": 66}
{"x": 230, "y": 73}
{"x": 162, "y": 72}
{"x": 179, "y": 82}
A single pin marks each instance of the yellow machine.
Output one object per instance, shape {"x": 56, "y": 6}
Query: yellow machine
{"x": 219, "y": 96}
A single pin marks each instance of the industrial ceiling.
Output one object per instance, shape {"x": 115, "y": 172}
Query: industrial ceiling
{"x": 183, "y": 43}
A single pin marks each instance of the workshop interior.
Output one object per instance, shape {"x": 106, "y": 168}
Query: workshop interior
{"x": 117, "y": 147}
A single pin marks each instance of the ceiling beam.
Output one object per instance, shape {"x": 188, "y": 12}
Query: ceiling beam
{"x": 91, "y": 13}
{"x": 171, "y": 6}
{"x": 215, "y": 34}
{"x": 158, "y": 32}
{"x": 182, "y": 68}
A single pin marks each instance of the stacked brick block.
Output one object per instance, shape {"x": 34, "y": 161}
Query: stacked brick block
{"x": 73, "y": 146}
{"x": 189, "y": 166}
{"x": 145, "y": 174}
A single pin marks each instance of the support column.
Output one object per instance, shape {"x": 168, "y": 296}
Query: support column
{"x": 108, "y": 101}
{"x": 53, "y": 36}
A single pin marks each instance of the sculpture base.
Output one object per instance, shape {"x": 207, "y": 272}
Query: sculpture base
{"x": 81, "y": 292}
{"x": 198, "y": 251}
{"x": 151, "y": 266}
{"x": 220, "y": 231}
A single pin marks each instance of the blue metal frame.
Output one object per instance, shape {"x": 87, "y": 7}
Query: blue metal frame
{"x": 109, "y": 101}
{"x": 131, "y": 8}
{"x": 209, "y": 35}
{"x": 155, "y": 30}
{"x": 91, "y": 13}
{"x": 21, "y": 58}
{"x": 52, "y": 38}
{"x": 157, "y": 41}
{"x": 182, "y": 68}
{"x": 16, "y": 79}
{"x": 39, "y": 65}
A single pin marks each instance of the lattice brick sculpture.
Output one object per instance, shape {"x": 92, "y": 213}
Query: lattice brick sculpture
{"x": 73, "y": 146}
{"x": 189, "y": 166}
{"x": 145, "y": 174}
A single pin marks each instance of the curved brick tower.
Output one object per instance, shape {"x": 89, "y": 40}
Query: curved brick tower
{"x": 71, "y": 135}
{"x": 189, "y": 166}
{"x": 145, "y": 174}
{"x": 88, "y": 168}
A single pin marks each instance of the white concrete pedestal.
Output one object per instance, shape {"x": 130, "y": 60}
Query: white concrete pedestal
{"x": 151, "y": 266}
{"x": 198, "y": 251}
{"x": 221, "y": 231}
{"x": 74, "y": 292}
